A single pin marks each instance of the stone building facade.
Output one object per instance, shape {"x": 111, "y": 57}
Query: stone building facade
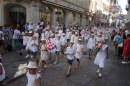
{"x": 50, "y": 11}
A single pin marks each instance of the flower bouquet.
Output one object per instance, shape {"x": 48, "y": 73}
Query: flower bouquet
{"x": 50, "y": 45}
{"x": 98, "y": 47}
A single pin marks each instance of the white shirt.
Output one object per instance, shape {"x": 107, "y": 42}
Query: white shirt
{"x": 68, "y": 35}
{"x": 34, "y": 48}
{"x": 53, "y": 40}
{"x": 43, "y": 35}
{"x": 79, "y": 47}
{"x": 25, "y": 40}
{"x": 91, "y": 43}
{"x": 58, "y": 45}
{"x": 63, "y": 40}
{"x": 47, "y": 34}
{"x": 31, "y": 79}
{"x": 2, "y": 34}
{"x": 36, "y": 35}
{"x": 98, "y": 39}
{"x": 60, "y": 32}
{"x": 2, "y": 77}
{"x": 70, "y": 50}
{"x": 16, "y": 34}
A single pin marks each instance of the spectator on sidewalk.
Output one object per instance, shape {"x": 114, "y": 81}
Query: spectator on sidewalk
{"x": 126, "y": 50}
{"x": 2, "y": 72}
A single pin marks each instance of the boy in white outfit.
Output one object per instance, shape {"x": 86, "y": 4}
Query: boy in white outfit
{"x": 91, "y": 45}
{"x": 64, "y": 42}
{"x": 70, "y": 52}
{"x": 34, "y": 47}
{"x": 58, "y": 48}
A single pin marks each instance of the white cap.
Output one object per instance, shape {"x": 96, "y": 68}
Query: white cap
{"x": 92, "y": 34}
{"x": 68, "y": 30}
{"x": 32, "y": 65}
{"x": 79, "y": 39}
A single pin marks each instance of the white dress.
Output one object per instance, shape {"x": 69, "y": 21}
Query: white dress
{"x": 44, "y": 55}
{"x": 28, "y": 47}
{"x": 78, "y": 51}
{"x": 32, "y": 79}
{"x": 101, "y": 56}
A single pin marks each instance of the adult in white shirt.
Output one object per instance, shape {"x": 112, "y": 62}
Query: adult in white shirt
{"x": 36, "y": 34}
{"x": 31, "y": 26}
{"x": 16, "y": 37}
{"x": 70, "y": 52}
{"x": 58, "y": 48}
{"x": 91, "y": 45}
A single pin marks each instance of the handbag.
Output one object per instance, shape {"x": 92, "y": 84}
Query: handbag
{"x": 120, "y": 45}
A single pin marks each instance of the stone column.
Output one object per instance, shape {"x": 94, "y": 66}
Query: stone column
{"x": 34, "y": 13}
{"x": 66, "y": 18}
{"x": 76, "y": 18}
{"x": 82, "y": 20}
{"x": 53, "y": 17}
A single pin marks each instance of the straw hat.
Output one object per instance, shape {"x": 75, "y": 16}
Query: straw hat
{"x": 71, "y": 42}
{"x": 0, "y": 56}
{"x": 76, "y": 33}
{"x": 43, "y": 39}
{"x": 68, "y": 30}
{"x": 58, "y": 35}
{"x": 52, "y": 34}
{"x": 79, "y": 39}
{"x": 63, "y": 34}
{"x": 32, "y": 65}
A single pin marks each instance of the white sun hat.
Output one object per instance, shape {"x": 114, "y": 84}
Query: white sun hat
{"x": 68, "y": 30}
{"x": 71, "y": 42}
{"x": 32, "y": 65}
{"x": 76, "y": 33}
{"x": 30, "y": 32}
{"x": 79, "y": 39}
{"x": 63, "y": 34}
{"x": 52, "y": 34}
{"x": 58, "y": 34}
{"x": 43, "y": 39}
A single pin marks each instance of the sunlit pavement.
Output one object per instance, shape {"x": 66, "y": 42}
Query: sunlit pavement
{"x": 114, "y": 74}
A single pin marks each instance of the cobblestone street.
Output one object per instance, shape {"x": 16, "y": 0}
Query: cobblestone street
{"x": 114, "y": 74}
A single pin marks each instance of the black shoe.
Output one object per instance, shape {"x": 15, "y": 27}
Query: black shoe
{"x": 20, "y": 53}
{"x": 90, "y": 58}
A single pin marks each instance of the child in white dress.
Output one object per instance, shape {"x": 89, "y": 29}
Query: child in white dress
{"x": 101, "y": 57}
{"x": 70, "y": 52}
{"x": 28, "y": 47}
{"x": 79, "y": 51}
{"x": 34, "y": 47}
{"x": 91, "y": 45}
{"x": 34, "y": 79}
{"x": 57, "y": 49}
{"x": 44, "y": 56}
{"x": 43, "y": 34}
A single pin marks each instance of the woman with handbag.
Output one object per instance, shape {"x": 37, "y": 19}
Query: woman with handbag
{"x": 120, "y": 47}
{"x": 126, "y": 50}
